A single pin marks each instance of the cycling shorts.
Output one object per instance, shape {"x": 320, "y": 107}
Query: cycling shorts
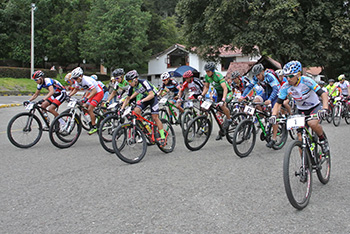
{"x": 58, "y": 98}
{"x": 153, "y": 103}
{"x": 95, "y": 100}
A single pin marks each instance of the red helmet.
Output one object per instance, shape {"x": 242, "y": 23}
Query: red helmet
{"x": 188, "y": 74}
{"x": 37, "y": 75}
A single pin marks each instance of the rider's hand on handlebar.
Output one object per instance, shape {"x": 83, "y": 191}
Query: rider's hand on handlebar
{"x": 200, "y": 97}
{"x": 322, "y": 113}
{"x": 25, "y": 103}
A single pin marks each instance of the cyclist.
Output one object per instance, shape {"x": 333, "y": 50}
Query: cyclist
{"x": 120, "y": 86}
{"x": 103, "y": 86}
{"x": 270, "y": 85}
{"x": 149, "y": 98}
{"x": 56, "y": 96}
{"x": 169, "y": 85}
{"x": 333, "y": 90}
{"x": 223, "y": 92}
{"x": 239, "y": 83}
{"x": 192, "y": 85}
{"x": 92, "y": 98}
{"x": 343, "y": 86}
{"x": 305, "y": 92}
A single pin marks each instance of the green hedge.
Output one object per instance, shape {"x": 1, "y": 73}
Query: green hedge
{"x": 19, "y": 72}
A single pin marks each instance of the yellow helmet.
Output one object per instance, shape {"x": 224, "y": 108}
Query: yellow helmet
{"x": 341, "y": 77}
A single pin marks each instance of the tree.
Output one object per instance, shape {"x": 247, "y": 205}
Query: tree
{"x": 310, "y": 31}
{"x": 116, "y": 34}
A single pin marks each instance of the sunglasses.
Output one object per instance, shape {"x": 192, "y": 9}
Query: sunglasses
{"x": 291, "y": 76}
{"x": 130, "y": 81}
{"x": 36, "y": 79}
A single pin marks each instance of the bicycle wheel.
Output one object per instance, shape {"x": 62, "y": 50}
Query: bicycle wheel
{"x": 282, "y": 135}
{"x": 65, "y": 130}
{"x": 293, "y": 133}
{"x": 244, "y": 138}
{"x": 236, "y": 119}
{"x": 329, "y": 115}
{"x": 297, "y": 178}
{"x": 129, "y": 143}
{"x": 163, "y": 114}
{"x": 187, "y": 116}
{"x": 347, "y": 115}
{"x": 197, "y": 133}
{"x": 105, "y": 133}
{"x": 323, "y": 167}
{"x": 169, "y": 136}
{"x": 24, "y": 130}
{"x": 336, "y": 115}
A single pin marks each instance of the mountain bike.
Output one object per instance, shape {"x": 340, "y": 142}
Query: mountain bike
{"x": 130, "y": 140}
{"x": 25, "y": 129}
{"x": 244, "y": 137}
{"x": 199, "y": 129}
{"x": 340, "y": 110}
{"x": 174, "y": 112}
{"x": 301, "y": 158}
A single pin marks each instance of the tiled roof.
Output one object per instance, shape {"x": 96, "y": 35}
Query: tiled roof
{"x": 242, "y": 67}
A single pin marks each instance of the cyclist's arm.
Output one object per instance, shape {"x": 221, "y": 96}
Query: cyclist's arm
{"x": 126, "y": 102}
{"x": 35, "y": 95}
{"x": 324, "y": 98}
{"x": 74, "y": 91}
{"x": 205, "y": 89}
{"x": 111, "y": 95}
{"x": 149, "y": 97}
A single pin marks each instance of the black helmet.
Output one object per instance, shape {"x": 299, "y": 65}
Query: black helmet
{"x": 118, "y": 72}
{"x": 235, "y": 74}
{"x": 38, "y": 74}
{"x": 131, "y": 75}
{"x": 257, "y": 69}
{"x": 210, "y": 66}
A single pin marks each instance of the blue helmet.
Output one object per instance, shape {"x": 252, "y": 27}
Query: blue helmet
{"x": 292, "y": 67}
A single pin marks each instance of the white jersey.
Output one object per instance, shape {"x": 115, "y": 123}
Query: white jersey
{"x": 87, "y": 83}
{"x": 344, "y": 87}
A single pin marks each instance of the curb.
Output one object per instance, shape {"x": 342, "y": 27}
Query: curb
{"x": 10, "y": 105}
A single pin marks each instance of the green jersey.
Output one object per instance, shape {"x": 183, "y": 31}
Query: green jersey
{"x": 216, "y": 80}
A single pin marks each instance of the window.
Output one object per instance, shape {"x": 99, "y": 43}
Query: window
{"x": 225, "y": 62}
{"x": 177, "y": 58}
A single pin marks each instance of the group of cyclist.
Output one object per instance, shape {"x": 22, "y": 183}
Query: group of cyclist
{"x": 272, "y": 88}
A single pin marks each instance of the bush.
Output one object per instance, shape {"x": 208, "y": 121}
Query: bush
{"x": 19, "y": 72}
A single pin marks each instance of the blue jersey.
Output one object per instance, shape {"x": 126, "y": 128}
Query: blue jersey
{"x": 172, "y": 85}
{"x": 57, "y": 86}
{"x": 144, "y": 87}
{"x": 270, "y": 85}
{"x": 304, "y": 93}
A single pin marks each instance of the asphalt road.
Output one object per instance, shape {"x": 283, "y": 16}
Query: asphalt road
{"x": 84, "y": 189}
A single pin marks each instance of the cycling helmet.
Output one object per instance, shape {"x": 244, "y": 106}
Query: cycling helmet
{"x": 77, "y": 72}
{"x": 165, "y": 76}
{"x": 292, "y": 67}
{"x": 341, "y": 77}
{"x": 331, "y": 80}
{"x": 94, "y": 77}
{"x": 131, "y": 75}
{"x": 257, "y": 68}
{"x": 279, "y": 72}
{"x": 118, "y": 72}
{"x": 235, "y": 74}
{"x": 38, "y": 74}
{"x": 68, "y": 77}
{"x": 187, "y": 74}
{"x": 210, "y": 66}
{"x": 321, "y": 82}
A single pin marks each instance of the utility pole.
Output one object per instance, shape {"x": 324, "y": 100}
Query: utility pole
{"x": 32, "y": 42}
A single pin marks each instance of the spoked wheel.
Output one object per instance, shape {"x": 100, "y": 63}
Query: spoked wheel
{"x": 297, "y": 178}
{"x": 282, "y": 135}
{"x": 323, "y": 169}
{"x": 347, "y": 115}
{"x": 186, "y": 118}
{"x": 24, "y": 130}
{"x": 197, "y": 133}
{"x": 293, "y": 133}
{"x": 163, "y": 114}
{"x": 129, "y": 143}
{"x": 65, "y": 130}
{"x": 336, "y": 115}
{"x": 236, "y": 119}
{"x": 329, "y": 115}
{"x": 244, "y": 138}
{"x": 105, "y": 132}
{"x": 170, "y": 139}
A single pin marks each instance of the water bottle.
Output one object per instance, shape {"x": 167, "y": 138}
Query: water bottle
{"x": 219, "y": 115}
{"x": 148, "y": 128}
{"x": 87, "y": 117}
{"x": 46, "y": 117}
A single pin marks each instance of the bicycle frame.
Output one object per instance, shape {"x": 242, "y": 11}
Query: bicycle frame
{"x": 32, "y": 109}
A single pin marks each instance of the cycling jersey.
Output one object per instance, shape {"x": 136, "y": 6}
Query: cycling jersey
{"x": 88, "y": 83}
{"x": 172, "y": 85}
{"x": 270, "y": 84}
{"x": 244, "y": 82}
{"x": 196, "y": 86}
{"x": 57, "y": 86}
{"x": 305, "y": 93}
{"x": 216, "y": 80}
{"x": 143, "y": 87}
{"x": 331, "y": 88}
{"x": 344, "y": 87}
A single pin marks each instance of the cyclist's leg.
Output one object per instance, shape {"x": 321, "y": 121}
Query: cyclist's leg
{"x": 56, "y": 103}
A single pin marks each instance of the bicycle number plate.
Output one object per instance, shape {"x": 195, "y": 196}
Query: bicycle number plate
{"x": 206, "y": 105}
{"x": 337, "y": 98}
{"x": 127, "y": 111}
{"x": 112, "y": 105}
{"x": 163, "y": 100}
{"x": 72, "y": 103}
{"x": 188, "y": 104}
{"x": 295, "y": 122}
{"x": 249, "y": 110}
{"x": 29, "y": 106}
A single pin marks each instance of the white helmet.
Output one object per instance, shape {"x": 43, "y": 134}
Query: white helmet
{"x": 68, "y": 77}
{"x": 165, "y": 76}
{"x": 280, "y": 72}
{"x": 77, "y": 72}
{"x": 94, "y": 77}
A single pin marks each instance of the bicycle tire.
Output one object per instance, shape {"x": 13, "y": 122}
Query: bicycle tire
{"x": 186, "y": 118}
{"x": 347, "y": 114}
{"x": 329, "y": 115}
{"x": 292, "y": 178}
{"x": 105, "y": 133}
{"x": 282, "y": 135}
{"x": 129, "y": 135}
{"x": 170, "y": 137}
{"x": 243, "y": 133}
{"x": 336, "y": 115}
{"x": 70, "y": 136}
{"x": 236, "y": 119}
{"x": 293, "y": 134}
{"x": 12, "y": 130}
{"x": 163, "y": 114}
{"x": 323, "y": 167}
{"x": 198, "y": 132}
